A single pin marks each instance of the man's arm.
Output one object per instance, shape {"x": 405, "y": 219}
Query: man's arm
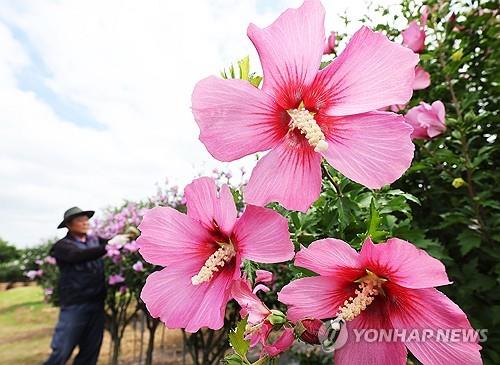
{"x": 68, "y": 252}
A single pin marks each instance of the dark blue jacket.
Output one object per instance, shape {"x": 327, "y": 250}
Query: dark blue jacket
{"x": 81, "y": 267}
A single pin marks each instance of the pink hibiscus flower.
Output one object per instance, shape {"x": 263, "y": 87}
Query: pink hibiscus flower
{"x": 260, "y": 321}
{"x": 422, "y": 79}
{"x": 386, "y": 286}
{"x": 303, "y": 114}
{"x": 203, "y": 251}
{"x": 428, "y": 121}
{"x": 414, "y": 35}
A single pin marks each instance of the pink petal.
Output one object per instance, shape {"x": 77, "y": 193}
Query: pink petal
{"x": 414, "y": 37}
{"x": 283, "y": 343}
{"x": 314, "y": 297}
{"x": 403, "y": 263}
{"x": 262, "y": 235}
{"x": 235, "y": 118}
{"x": 330, "y": 257}
{"x": 290, "y": 51}
{"x": 422, "y": 79}
{"x": 169, "y": 294}
{"x": 289, "y": 174}
{"x": 210, "y": 207}
{"x": 263, "y": 276}
{"x": 373, "y": 149}
{"x": 249, "y": 302}
{"x": 370, "y": 352}
{"x": 371, "y": 73}
{"x": 429, "y": 309}
{"x": 169, "y": 237}
{"x": 261, "y": 287}
{"x": 438, "y": 108}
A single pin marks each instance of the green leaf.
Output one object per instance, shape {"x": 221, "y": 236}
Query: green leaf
{"x": 467, "y": 241}
{"x": 244, "y": 66}
{"x": 233, "y": 359}
{"x": 237, "y": 338}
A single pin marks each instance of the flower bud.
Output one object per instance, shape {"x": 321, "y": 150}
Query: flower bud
{"x": 312, "y": 328}
{"x": 458, "y": 182}
{"x": 276, "y": 317}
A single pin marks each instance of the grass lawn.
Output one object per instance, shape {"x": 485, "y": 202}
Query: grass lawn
{"x": 26, "y": 325}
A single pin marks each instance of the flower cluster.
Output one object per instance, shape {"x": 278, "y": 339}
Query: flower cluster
{"x": 302, "y": 115}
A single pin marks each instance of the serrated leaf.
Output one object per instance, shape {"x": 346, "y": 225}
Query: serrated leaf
{"x": 468, "y": 240}
{"x": 237, "y": 338}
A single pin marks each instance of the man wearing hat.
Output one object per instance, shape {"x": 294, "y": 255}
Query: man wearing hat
{"x": 82, "y": 291}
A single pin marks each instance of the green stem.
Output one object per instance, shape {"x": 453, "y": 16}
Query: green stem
{"x": 330, "y": 178}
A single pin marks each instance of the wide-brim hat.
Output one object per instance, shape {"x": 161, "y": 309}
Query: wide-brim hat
{"x": 72, "y": 213}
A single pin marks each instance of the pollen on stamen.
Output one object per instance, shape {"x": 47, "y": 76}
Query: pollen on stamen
{"x": 369, "y": 288}
{"x": 303, "y": 120}
{"x": 214, "y": 263}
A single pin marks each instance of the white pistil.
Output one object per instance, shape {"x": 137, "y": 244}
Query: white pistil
{"x": 369, "y": 287}
{"x": 304, "y": 120}
{"x": 214, "y": 263}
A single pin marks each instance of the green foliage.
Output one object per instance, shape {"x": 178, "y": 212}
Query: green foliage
{"x": 8, "y": 252}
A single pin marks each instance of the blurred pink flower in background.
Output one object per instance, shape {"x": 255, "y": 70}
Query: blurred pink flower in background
{"x": 203, "y": 251}
{"x": 302, "y": 114}
{"x": 50, "y": 260}
{"x": 428, "y": 121}
{"x": 330, "y": 44}
{"x": 32, "y": 274}
{"x": 263, "y": 276}
{"x": 115, "y": 279}
{"x": 131, "y": 246}
{"x": 388, "y": 285}
{"x": 414, "y": 35}
{"x": 138, "y": 266}
{"x": 422, "y": 79}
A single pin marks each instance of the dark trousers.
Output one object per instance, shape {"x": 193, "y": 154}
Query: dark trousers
{"x": 79, "y": 325}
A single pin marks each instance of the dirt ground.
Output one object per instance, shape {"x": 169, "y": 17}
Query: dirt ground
{"x": 26, "y": 325}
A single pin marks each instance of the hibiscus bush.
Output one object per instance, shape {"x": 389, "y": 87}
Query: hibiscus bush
{"x": 379, "y": 172}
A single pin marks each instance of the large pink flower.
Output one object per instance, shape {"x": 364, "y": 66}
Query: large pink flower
{"x": 303, "y": 114}
{"x": 386, "y": 286}
{"x": 203, "y": 251}
{"x": 428, "y": 121}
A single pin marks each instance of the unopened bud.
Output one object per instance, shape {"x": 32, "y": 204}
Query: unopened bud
{"x": 458, "y": 182}
{"x": 312, "y": 328}
{"x": 276, "y": 317}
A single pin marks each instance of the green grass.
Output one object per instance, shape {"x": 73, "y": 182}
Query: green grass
{"x": 26, "y": 325}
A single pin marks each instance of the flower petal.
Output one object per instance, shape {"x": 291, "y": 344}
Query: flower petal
{"x": 357, "y": 350}
{"x": 330, "y": 257}
{"x": 422, "y": 79}
{"x": 403, "y": 263}
{"x": 290, "y": 51}
{"x": 263, "y": 276}
{"x": 235, "y": 118}
{"x": 289, "y": 174}
{"x": 414, "y": 37}
{"x": 169, "y": 237}
{"x": 371, "y": 73}
{"x": 204, "y": 205}
{"x": 283, "y": 343}
{"x": 314, "y": 297}
{"x": 262, "y": 235}
{"x": 169, "y": 294}
{"x": 373, "y": 149}
{"x": 430, "y": 310}
{"x": 249, "y": 302}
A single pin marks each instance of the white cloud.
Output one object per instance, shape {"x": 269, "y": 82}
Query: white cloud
{"x": 133, "y": 66}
